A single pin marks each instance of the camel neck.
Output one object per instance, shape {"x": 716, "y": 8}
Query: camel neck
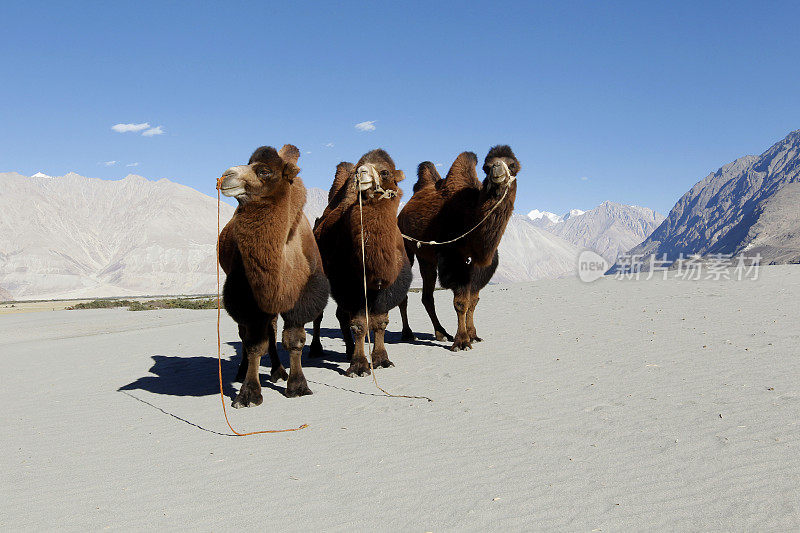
{"x": 266, "y": 235}
{"x": 488, "y": 234}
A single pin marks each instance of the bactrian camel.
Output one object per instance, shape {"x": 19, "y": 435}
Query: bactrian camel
{"x": 445, "y": 209}
{"x": 273, "y": 267}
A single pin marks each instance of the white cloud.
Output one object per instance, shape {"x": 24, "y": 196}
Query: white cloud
{"x": 367, "y": 125}
{"x": 328, "y": 145}
{"x": 308, "y": 152}
{"x": 124, "y": 128}
{"x": 438, "y": 164}
{"x": 107, "y": 163}
{"x": 132, "y": 164}
{"x": 153, "y": 131}
{"x": 584, "y": 178}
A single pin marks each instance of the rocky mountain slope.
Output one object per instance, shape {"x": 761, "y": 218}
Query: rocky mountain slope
{"x": 609, "y": 229}
{"x": 76, "y": 237}
{"x": 72, "y": 236}
{"x": 749, "y": 205}
{"x": 531, "y": 253}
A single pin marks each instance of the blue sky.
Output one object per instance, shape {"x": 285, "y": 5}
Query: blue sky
{"x": 626, "y": 101}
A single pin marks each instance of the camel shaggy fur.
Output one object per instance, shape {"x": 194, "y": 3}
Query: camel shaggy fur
{"x": 273, "y": 267}
{"x": 388, "y": 270}
{"x": 444, "y": 209}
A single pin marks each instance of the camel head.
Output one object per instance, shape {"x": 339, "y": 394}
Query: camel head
{"x": 501, "y": 167}
{"x": 268, "y": 174}
{"x": 376, "y": 177}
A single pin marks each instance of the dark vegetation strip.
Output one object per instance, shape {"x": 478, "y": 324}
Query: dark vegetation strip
{"x": 149, "y": 305}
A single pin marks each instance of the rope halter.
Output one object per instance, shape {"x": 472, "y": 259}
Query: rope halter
{"x": 366, "y": 176}
{"x": 500, "y": 173}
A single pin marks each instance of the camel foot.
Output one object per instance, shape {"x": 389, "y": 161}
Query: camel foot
{"x": 249, "y": 395}
{"x": 315, "y": 350}
{"x": 358, "y": 367}
{"x": 473, "y": 335}
{"x": 278, "y": 374}
{"x": 443, "y": 336}
{"x": 461, "y": 343}
{"x": 297, "y": 387}
{"x": 380, "y": 359}
{"x": 407, "y": 335}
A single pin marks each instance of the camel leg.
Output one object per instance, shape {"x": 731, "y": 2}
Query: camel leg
{"x": 428, "y": 272}
{"x": 461, "y": 303}
{"x": 471, "y": 331}
{"x": 378, "y": 323}
{"x": 277, "y": 372}
{"x": 242, "y": 372}
{"x": 255, "y": 344}
{"x": 407, "y": 335}
{"x": 316, "y": 345}
{"x": 344, "y": 322}
{"x": 294, "y": 338}
{"x": 359, "y": 365}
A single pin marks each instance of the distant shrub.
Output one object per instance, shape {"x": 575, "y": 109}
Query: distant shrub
{"x": 174, "y": 303}
{"x": 150, "y": 305}
{"x": 101, "y": 304}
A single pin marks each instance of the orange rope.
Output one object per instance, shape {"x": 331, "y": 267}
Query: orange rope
{"x": 219, "y": 346}
{"x": 366, "y": 312}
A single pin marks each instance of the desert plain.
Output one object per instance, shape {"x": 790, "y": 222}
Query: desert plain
{"x": 614, "y": 405}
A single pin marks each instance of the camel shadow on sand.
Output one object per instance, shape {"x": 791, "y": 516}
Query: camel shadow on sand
{"x": 198, "y": 375}
{"x": 392, "y": 337}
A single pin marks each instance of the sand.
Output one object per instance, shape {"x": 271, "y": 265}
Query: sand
{"x": 10, "y": 308}
{"x": 659, "y": 405}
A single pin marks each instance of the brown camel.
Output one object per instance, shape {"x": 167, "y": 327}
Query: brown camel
{"x": 273, "y": 267}
{"x": 388, "y": 269}
{"x": 445, "y": 209}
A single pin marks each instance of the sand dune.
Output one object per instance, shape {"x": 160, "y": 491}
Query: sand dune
{"x": 615, "y": 405}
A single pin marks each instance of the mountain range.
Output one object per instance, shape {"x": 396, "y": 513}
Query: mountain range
{"x": 609, "y": 229}
{"x": 78, "y": 237}
{"x": 749, "y": 206}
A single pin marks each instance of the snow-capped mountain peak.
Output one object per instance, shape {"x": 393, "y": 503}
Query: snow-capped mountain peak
{"x": 572, "y": 213}
{"x": 544, "y": 215}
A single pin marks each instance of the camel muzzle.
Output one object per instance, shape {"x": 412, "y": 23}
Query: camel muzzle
{"x": 500, "y": 173}
{"x": 231, "y": 183}
{"x": 367, "y": 178}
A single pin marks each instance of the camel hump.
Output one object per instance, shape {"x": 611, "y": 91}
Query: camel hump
{"x": 462, "y": 173}
{"x": 343, "y": 172}
{"x": 426, "y": 175}
{"x": 289, "y": 153}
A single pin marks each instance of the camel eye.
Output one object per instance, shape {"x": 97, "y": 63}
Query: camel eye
{"x": 263, "y": 173}
{"x": 384, "y": 173}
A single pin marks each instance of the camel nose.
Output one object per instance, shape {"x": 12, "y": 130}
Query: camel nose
{"x": 365, "y": 177}
{"x": 499, "y": 172}
{"x": 231, "y": 182}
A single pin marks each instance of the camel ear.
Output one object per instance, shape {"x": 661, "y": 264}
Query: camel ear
{"x": 289, "y": 153}
{"x": 290, "y": 171}
{"x": 399, "y": 176}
